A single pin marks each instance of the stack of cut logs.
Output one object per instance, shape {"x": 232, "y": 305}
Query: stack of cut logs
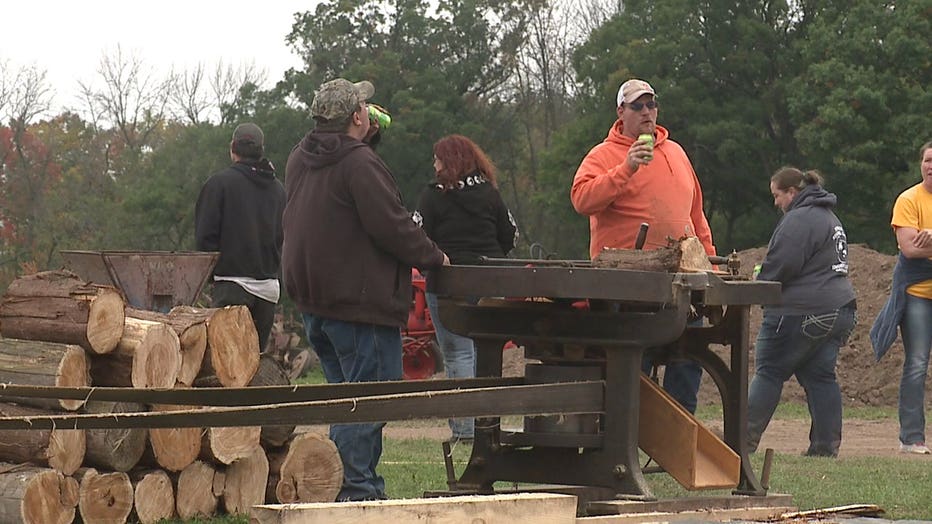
{"x": 61, "y": 331}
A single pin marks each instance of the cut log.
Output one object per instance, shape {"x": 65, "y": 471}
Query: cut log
{"x": 232, "y": 345}
{"x": 226, "y": 445}
{"x": 684, "y": 255}
{"x": 307, "y": 469}
{"x": 270, "y": 373}
{"x": 60, "y": 449}
{"x": 104, "y": 498}
{"x": 40, "y": 363}
{"x": 33, "y": 495}
{"x": 245, "y": 483}
{"x": 172, "y": 448}
{"x": 195, "y": 487}
{"x": 57, "y": 306}
{"x": 115, "y": 449}
{"x": 192, "y": 334}
{"x": 153, "y": 495}
{"x": 148, "y": 356}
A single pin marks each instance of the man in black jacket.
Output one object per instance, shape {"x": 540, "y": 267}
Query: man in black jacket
{"x": 239, "y": 214}
{"x": 347, "y": 257}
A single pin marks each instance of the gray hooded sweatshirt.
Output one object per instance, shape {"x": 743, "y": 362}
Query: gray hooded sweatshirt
{"x": 808, "y": 255}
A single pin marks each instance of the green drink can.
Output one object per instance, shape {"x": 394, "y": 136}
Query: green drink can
{"x": 649, "y": 140}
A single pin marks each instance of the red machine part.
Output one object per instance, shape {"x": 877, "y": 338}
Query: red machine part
{"x": 421, "y": 355}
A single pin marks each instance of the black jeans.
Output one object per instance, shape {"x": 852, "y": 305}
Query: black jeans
{"x": 263, "y": 312}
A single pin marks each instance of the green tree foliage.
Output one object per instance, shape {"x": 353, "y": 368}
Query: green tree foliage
{"x": 863, "y": 106}
{"x": 439, "y": 70}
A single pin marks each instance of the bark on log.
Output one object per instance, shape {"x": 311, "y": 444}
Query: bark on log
{"x": 60, "y": 449}
{"x": 148, "y": 356}
{"x": 270, "y": 373}
{"x": 172, "y": 448}
{"x": 196, "y": 491}
{"x": 57, "y": 306}
{"x": 192, "y": 334}
{"x": 307, "y": 469}
{"x": 115, "y": 449}
{"x": 684, "y": 255}
{"x": 104, "y": 498}
{"x": 232, "y": 355}
{"x": 33, "y": 495}
{"x": 226, "y": 445}
{"x": 245, "y": 483}
{"x": 40, "y": 363}
{"x": 153, "y": 496}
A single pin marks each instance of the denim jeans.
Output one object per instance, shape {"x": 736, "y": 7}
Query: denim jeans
{"x": 681, "y": 379}
{"x": 916, "y": 329}
{"x": 356, "y": 352}
{"x": 459, "y": 359}
{"x": 807, "y": 346}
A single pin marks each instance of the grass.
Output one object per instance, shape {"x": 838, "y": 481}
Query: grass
{"x": 898, "y": 485}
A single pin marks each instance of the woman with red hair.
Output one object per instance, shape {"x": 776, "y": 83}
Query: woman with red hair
{"x": 463, "y": 212}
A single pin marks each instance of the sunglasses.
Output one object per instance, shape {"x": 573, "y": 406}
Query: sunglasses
{"x": 637, "y": 106}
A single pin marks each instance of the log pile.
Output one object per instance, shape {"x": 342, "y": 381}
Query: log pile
{"x": 60, "y": 331}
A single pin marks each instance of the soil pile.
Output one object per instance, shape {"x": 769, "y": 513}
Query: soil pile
{"x": 864, "y": 382}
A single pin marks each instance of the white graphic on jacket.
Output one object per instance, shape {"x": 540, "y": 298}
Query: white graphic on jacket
{"x": 841, "y": 250}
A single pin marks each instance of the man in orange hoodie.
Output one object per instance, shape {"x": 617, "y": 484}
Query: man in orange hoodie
{"x": 625, "y": 181}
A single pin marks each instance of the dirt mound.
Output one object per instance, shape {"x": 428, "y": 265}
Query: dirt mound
{"x": 864, "y": 382}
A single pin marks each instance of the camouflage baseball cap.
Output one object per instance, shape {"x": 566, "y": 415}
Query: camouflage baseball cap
{"x": 339, "y": 98}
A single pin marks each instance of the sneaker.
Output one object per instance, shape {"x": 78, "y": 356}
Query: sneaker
{"x": 918, "y": 448}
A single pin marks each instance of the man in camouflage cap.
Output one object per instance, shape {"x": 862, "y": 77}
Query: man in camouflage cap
{"x": 349, "y": 247}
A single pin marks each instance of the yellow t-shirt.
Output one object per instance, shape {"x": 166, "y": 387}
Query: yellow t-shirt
{"x": 913, "y": 208}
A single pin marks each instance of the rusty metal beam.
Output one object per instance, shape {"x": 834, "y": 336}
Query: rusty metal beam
{"x": 544, "y": 399}
{"x": 249, "y": 396}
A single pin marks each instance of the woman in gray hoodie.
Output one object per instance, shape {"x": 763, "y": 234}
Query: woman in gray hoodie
{"x": 808, "y": 255}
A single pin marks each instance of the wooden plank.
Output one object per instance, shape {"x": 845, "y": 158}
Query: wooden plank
{"x": 681, "y": 445}
{"x": 717, "y": 515}
{"x": 686, "y": 504}
{"x": 519, "y": 508}
{"x": 542, "y": 399}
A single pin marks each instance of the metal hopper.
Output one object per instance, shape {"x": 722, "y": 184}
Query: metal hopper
{"x": 152, "y": 280}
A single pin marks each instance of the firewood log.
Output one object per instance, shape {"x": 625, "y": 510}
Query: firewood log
{"x": 172, "y": 448}
{"x": 226, "y": 445}
{"x": 153, "y": 496}
{"x": 232, "y": 356}
{"x": 192, "y": 334}
{"x": 245, "y": 482}
{"x": 34, "y": 495}
{"x": 147, "y": 356}
{"x": 683, "y": 255}
{"x": 57, "y": 306}
{"x": 197, "y": 491}
{"x": 40, "y": 363}
{"x": 270, "y": 373}
{"x": 307, "y": 469}
{"x": 60, "y": 449}
{"x": 104, "y": 498}
{"x": 114, "y": 449}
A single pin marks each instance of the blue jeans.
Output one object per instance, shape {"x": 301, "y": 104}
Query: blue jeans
{"x": 356, "y": 352}
{"x": 459, "y": 359}
{"x": 807, "y": 346}
{"x": 916, "y": 329}
{"x": 681, "y": 379}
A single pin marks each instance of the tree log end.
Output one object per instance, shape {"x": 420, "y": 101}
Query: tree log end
{"x": 105, "y": 320}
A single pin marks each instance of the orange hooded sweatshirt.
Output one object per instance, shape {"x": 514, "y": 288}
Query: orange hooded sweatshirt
{"x": 664, "y": 193}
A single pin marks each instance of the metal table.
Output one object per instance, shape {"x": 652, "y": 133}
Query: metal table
{"x": 630, "y": 312}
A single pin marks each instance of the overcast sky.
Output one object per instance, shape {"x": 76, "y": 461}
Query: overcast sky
{"x": 68, "y": 38}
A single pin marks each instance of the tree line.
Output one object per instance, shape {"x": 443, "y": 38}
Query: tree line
{"x": 744, "y": 86}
